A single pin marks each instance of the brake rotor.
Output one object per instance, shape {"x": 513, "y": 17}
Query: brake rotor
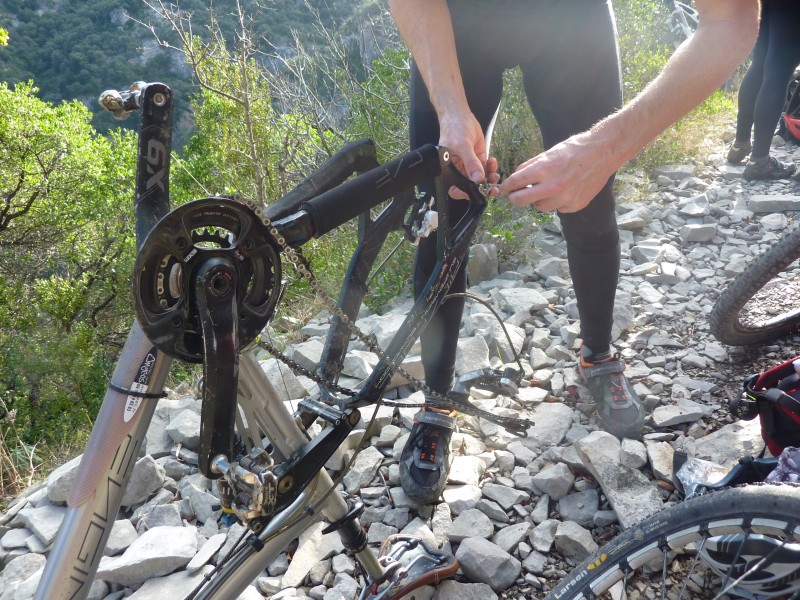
{"x": 172, "y": 251}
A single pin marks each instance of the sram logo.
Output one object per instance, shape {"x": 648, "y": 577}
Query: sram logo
{"x": 156, "y": 164}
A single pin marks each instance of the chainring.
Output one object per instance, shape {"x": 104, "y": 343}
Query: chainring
{"x": 172, "y": 251}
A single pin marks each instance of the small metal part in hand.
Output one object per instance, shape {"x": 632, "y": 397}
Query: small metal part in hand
{"x": 486, "y": 188}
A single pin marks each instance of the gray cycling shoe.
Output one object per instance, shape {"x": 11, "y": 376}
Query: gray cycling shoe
{"x": 768, "y": 167}
{"x": 619, "y": 410}
{"x": 425, "y": 460}
{"x": 738, "y": 152}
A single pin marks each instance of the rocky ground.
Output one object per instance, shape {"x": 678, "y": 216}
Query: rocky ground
{"x": 518, "y": 512}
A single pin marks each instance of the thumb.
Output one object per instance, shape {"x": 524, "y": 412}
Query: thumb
{"x": 474, "y": 168}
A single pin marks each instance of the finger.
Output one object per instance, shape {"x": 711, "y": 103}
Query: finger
{"x": 545, "y": 196}
{"x": 522, "y": 197}
{"x": 457, "y": 193}
{"x": 519, "y": 179}
{"x": 473, "y": 167}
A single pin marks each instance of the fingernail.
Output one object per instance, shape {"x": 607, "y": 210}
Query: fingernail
{"x": 477, "y": 177}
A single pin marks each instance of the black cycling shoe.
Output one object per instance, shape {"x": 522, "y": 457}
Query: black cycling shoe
{"x": 768, "y": 167}
{"x": 738, "y": 152}
{"x": 619, "y": 410}
{"x": 425, "y": 460}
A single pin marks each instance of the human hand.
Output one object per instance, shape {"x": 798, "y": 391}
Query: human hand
{"x": 461, "y": 133}
{"x": 565, "y": 178}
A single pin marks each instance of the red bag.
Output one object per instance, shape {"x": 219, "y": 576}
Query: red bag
{"x": 774, "y": 397}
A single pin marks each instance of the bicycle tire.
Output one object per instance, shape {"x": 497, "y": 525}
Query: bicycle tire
{"x": 738, "y": 317}
{"x": 772, "y": 510}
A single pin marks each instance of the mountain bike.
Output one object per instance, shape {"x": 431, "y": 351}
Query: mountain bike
{"x": 206, "y": 282}
{"x": 763, "y": 302}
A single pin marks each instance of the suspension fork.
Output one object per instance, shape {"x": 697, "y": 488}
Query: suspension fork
{"x": 130, "y": 401}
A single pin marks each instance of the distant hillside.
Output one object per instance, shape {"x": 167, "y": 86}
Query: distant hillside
{"x": 75, "y": 49}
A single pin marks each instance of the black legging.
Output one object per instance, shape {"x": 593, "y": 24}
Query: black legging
{"x": 763, "y": 90}
{"x": 568, "y": 55}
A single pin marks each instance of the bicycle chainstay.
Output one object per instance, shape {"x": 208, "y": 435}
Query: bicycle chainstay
{"x": 457, "y": 402}
{"x": 451, "y": 401}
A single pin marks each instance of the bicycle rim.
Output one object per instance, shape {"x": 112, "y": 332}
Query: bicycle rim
{"x": 662, "y": 557}
{"x": 763, "y": 302}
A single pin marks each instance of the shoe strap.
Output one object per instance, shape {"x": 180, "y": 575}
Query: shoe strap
{"x": 436, "y": 418}
{"x": 607, "y": 367}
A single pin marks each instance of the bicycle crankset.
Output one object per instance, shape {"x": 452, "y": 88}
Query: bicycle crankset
{"x": 168, "y": 261}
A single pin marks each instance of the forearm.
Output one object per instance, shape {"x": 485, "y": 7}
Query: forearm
{"x": 726, "y": 33}
{"x": 427, "y": 30}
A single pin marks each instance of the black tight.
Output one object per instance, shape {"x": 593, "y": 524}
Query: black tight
{"x": 763, "y": 90}
{"x": 568, "y": 55}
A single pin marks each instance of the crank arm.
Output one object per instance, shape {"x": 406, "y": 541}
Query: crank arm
{"x": 294, "y": 474}
{"x": 215, "y": 295}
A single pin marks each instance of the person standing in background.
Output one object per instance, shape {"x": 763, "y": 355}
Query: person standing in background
{"x": 763, "y": 90}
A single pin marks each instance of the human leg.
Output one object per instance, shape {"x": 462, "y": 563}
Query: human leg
{"x": 577, "y": 85}
{"x": 572, "y": 82}
{"x": 748, "y": 93}
{"x": 782, "y": 57}
{"x": 424, "y": 462}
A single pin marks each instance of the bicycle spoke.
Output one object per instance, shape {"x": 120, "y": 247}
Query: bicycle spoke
{"x": 753, "y": 569}
{"x": 733, "y": 562}
{"x": 695, "y": 561}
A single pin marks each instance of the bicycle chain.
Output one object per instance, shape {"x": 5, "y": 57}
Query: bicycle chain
{"x": 433, "y": 399}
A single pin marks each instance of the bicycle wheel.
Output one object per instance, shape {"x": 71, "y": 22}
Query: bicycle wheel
{"x": 669, "y": 554}
{"x": 763, "y": 302}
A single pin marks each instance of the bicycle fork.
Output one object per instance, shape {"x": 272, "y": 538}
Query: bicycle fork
{"x": 105, "y": 469}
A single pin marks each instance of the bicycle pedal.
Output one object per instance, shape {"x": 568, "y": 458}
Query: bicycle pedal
{"x": 409, "y": 562}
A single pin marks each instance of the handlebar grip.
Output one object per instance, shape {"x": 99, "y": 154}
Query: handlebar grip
{"x": 351, "y": 198}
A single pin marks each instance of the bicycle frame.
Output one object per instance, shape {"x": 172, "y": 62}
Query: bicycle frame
{"x": 682, "y": 21}
{"x": 138, "y": 379}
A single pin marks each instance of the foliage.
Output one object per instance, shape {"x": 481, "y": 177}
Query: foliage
{"x": 74, "y": 49}
{"x": 274, "y": 128}
{"x": 65, "y": 256}
{"x": 516, "y": 136}
{"x": 645, "y": 42}
{"x": 282, "y": 148}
